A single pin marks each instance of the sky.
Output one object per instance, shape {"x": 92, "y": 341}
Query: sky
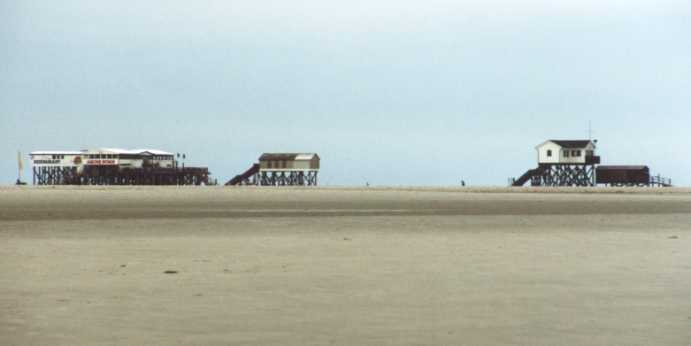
{"x": 386, "y": 92}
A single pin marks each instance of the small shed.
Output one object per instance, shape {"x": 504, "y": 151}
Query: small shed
{"x": 289, "y": 162}
{"x": 623, "y": 175}
{"x": 567, "y": 152}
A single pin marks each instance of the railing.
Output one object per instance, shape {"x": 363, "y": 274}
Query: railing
{"x": 592, "y": 160}
{"x": 658, "y": 180}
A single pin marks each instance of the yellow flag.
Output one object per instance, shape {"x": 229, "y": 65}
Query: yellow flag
{"x": 20, "y": 163}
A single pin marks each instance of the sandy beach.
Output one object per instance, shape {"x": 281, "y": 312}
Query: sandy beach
{"x": 344, "y": 266}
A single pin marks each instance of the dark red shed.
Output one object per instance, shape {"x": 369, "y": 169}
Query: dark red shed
{"x": 622, "y": 175}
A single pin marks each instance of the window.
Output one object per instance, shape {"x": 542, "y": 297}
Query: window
{"x": 566, "y": 153}
{"x": 575, "y": 153}
{"x": 270, "y": 164}
{"x": 549, "y": 153}
{"x": 283, "y": 164}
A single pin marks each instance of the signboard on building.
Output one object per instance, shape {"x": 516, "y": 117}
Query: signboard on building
{"x": 46, "y": 162}
{"x": 101, "y": 162}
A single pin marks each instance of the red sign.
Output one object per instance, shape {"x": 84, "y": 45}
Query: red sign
{"x": 101, "y": 162}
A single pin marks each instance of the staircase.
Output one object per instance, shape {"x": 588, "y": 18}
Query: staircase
{"x": 528, "y": 175}
{"x": 242, "y": 178}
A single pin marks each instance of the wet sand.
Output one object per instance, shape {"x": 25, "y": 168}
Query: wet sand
{"x": 344, "y": 266}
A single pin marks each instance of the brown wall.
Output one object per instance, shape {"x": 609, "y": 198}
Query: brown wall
{"x": 623, "y": 176}
{"x": 290, "y": 164}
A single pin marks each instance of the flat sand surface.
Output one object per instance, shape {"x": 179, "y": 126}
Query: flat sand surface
{"x": 258, "y": 266}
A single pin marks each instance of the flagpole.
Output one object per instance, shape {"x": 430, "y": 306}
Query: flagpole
{"x": 20, "y": 166}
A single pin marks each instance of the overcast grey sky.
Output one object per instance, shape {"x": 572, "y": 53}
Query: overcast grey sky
{"x": 390, "y": 92}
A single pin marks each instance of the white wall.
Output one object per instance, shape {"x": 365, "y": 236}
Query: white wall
{"x": 542, "y": 153}
{"x": 48, "y": 160}
{"x": 67, "y": 160}
{"x": 167, "y": 163}
{"x": 558, "y": 154}
{"x": 571, "y": 158}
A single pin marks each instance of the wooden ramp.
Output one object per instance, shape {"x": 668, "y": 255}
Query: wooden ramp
{"x": 528, "y": 176}
{"x": 244, "y": 178}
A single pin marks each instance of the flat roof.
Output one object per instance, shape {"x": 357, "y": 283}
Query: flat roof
{"x": 55, "y": 152}
{"x": 621, "y": 167}
{"x": 101, "y": 150}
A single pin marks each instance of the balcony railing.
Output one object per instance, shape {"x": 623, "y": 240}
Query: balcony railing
{"x": 592, "y": 160}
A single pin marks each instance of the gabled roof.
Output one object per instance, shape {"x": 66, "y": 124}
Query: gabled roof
{"x": 152, "y": 151}
{"x": 306, "y": 156}
{"x": 569, "y": 143}
{"x": 288, "y": 156}
{"x": 110, "y": 151}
